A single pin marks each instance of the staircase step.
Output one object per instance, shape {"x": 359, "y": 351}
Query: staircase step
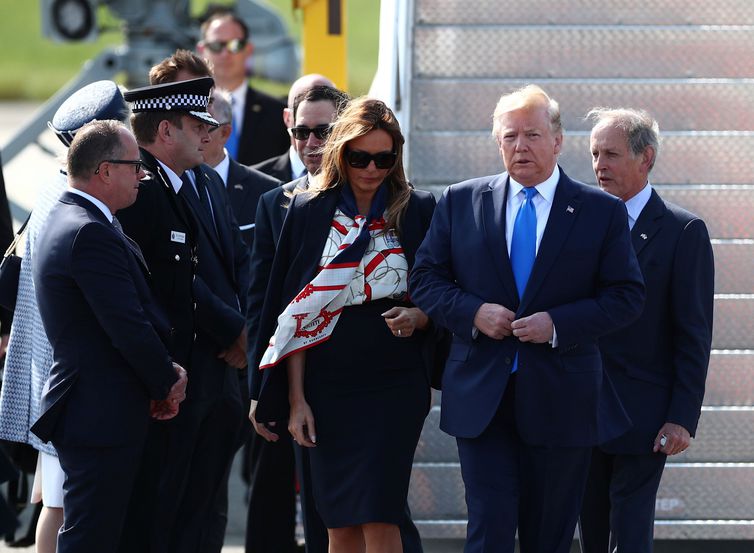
{"x": 679, "y": 104}
{"x": 685, "y": 158}
{"x": 724, "y": 435}
{"x": 547, "y": 51}
{"x": 593, "y": 12}
{"x": 688, "y": 491}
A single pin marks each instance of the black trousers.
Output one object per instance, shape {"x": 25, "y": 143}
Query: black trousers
{"x": 619, "y": 502}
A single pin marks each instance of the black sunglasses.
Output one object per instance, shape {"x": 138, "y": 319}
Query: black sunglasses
{"x": 302, "y": 133}
{"x": 233, "y": 46}
{"x": 137, "y": 163}
{"x": 361, "y": 160}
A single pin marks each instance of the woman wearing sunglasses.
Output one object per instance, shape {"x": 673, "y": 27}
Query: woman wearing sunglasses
{"x": 343, "y": 351}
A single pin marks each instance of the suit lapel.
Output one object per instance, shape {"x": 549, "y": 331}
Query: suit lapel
{"x": 201, "y": 214}
{"x": 320, "y": 211}
{"x": 411, "y": 235}
{"x": 493, "y": 222}
{"x": 223, "y": 239}
{"x": 648, "y": 223}
{"x": 565, "y": 209}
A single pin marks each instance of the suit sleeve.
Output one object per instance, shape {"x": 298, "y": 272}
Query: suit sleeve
{"x": 432, "y": 283}
{"x": 619, "y": 296}
{"x": 692, "y": 300}
{"x": 99, "y": 265}
{"x": 261, "y": 266}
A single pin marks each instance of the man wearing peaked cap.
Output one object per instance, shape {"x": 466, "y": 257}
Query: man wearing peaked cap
{"x": 190, "y": 96}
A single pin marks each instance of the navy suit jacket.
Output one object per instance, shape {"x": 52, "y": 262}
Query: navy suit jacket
{"x": 658, "y": 364}
{"x": 585, "y": 276}
{"x": 245, "y": 186}
{"x": 220, "y": 286}
{"x": 105, "y": 329}
{"x": 263, "y": 132}
{"x": 302, "y": 240}
{"x": 278, "y": 167}
{"x": 271, "y": 211}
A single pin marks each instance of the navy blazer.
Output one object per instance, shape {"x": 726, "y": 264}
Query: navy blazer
{"x": 220, "y": 286}
{"x": 105, "y": 329}
{"x": 278, "y": 167}
{"x": 245, "y": 186}
{"x": 658, "y": 364}
{"x": 302, "y": 240}
{"x": 271, "y": 211}
{"x": 585, "y": 276}
{"x": 263, "y": 132}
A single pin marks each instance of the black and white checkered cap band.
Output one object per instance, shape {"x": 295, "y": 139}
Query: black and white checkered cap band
{"x": 184, "y": 102}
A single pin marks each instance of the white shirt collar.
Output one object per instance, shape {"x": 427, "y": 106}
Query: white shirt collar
{"x": 223, "y": 167}
{"x": 297, "y": 166}
{"x": 175, "y": 180}
{"x": 100, "y": 205}
{"x": 636, "y": 204}
{"x": 546, "y": 189}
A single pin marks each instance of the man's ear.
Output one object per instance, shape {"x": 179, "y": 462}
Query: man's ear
{"x": 165, "y": 131}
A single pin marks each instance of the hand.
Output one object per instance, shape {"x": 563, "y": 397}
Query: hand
{"x": 260, "y": 427}
{"x": 235, "y": 355}
{"x": 177, "y": 392}
{"x": 494, "y": 320}
{"x": 677, "y": 439}
{"x": 403, "y": 321}
{"x": 162, "y": 409}
{"x": 301, "y": 424}
{"x": 535, "y": 328}
{"x": 4, "y": 344}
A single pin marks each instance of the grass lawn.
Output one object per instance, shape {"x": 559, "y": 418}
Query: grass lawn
{"x": 33, "y": 67}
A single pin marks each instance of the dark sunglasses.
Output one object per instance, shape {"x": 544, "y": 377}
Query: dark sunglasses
{"x": 233, "y": 46}
{"x": 302, "y": 133}
{"x": 361, "y": 160}
{"x": 137, "y": 163}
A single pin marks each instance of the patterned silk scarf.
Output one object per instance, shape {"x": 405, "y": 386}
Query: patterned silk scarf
{"x": 311, "y": 316}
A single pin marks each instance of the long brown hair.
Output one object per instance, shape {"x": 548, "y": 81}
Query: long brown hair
{"x": 360, "y": 117}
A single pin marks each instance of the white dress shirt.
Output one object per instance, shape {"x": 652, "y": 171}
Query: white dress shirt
{"x": 542, "y": 205}
{"x": 297, "y": 166}
{"x": 223, "y": 167}
{"x": 635, "y": 205}
{"x": 101, "y": 206}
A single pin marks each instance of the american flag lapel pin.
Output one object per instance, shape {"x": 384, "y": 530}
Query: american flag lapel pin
{"x": 569, "y": 209}
{"x": 643, "y": 236}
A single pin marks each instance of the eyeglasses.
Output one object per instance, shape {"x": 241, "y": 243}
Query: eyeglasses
{"x": 361, "y": 160}
{"x": 302, "y": 133}
{"x": 213, "y": 129}
{"x": 137, "y": 163}
{"x": 233, "y": 46}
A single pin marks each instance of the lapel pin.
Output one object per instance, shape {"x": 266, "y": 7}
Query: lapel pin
{"x": 643, "y": 236}
{"x": 569, "y": 209}
{"x": 238, "y": 186}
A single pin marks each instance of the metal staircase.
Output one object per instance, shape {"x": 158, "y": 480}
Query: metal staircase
{"x": 691, "y": 64}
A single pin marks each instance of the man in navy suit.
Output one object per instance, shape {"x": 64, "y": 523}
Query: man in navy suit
{"x": 244, "y": 185}
{"x": 111, "y": 366}
{"x": 259, "y": 132}
{"x": 288, "y": 166}
{"x": 658, "y": 364}
{"x": 527, "y": 269}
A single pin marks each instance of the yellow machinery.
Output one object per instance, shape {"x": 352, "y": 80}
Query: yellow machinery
{"x": 324, "y": 39}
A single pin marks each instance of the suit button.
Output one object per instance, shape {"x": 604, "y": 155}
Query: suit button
{"x": 172, "y": 331}
{"x": 194, "y": 336}
{"x": 177, "y": 257}
{"x": 508, "y": 360}
{"x": 194, "y": 306}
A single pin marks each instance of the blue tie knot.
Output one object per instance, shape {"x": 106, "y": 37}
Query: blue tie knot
{"x": 530, "y": 193}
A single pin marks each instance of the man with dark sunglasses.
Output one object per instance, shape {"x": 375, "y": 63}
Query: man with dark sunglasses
{"x": 259, "y": 133}
{"x": 288, "y": 165}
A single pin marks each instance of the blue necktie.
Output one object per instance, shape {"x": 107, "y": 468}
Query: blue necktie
{"x": 232, "y": 143}
{"x": 524, "y": 246}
